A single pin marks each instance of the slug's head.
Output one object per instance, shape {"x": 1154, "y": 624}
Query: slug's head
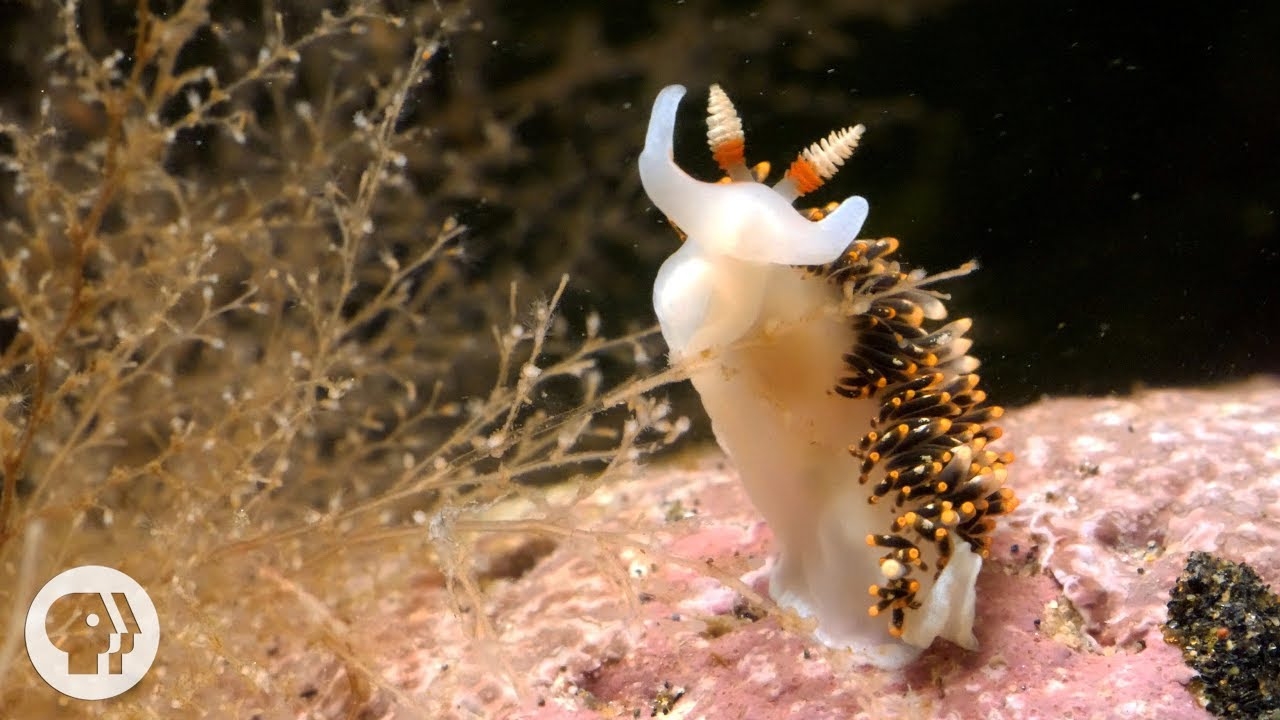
{"x": 709, "y": 291}
{"x": 745, "y": 219}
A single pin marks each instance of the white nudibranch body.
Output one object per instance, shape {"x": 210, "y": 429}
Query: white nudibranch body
{"x": 858, "y": 429}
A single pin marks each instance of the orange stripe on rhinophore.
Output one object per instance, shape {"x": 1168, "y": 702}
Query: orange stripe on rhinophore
{"x": 805, "y": 176}
{"x": 729, "y": 153}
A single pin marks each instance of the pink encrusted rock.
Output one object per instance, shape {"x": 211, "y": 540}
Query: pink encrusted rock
{"x": 1115, "y": 493}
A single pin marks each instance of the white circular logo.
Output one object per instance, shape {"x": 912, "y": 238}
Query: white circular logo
{"x": 92, "y": 632}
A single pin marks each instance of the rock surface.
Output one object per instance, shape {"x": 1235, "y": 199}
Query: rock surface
{"x": 646, "y": 616}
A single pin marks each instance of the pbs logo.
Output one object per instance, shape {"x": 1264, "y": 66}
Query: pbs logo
{"x": 92, "y": 632}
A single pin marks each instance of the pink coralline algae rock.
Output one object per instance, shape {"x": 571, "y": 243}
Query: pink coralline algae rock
{"x": 668, "y": 617}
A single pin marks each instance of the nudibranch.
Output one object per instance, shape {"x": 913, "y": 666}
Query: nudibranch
{"x": 851, "y": 412}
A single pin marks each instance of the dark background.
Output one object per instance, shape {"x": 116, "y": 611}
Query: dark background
{"x": 1113, "y": 166}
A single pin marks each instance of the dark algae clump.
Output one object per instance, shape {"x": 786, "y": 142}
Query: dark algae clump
{"x": 1227, "y": 623}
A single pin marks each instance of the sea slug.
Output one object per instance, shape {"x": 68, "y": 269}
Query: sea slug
{"x": 851, "y": 412}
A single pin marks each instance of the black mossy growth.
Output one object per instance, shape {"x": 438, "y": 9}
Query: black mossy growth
{"x": 1227, "y": 623}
